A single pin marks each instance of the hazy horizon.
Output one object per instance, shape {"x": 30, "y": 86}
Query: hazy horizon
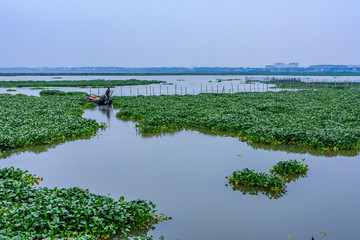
{"x": 170, "y": 33}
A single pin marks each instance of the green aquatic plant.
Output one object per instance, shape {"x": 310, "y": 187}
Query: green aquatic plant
{"x": 52, "y": 93}
{"x": 290, "y": 167}
{"x": 326, "y": 120}
{"x": 11, "y": 90}
{"x": 29, "y": 212}
{"x": 249, "y": 177}
{"x": 99, "y": 83}
{"x": 37, "y": 88}
{"x": 30, "y": 120}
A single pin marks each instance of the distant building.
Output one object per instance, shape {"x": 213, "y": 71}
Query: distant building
{"x": 283, "y": 65}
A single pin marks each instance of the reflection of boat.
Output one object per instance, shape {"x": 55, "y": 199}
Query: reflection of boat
{"x": 99, "y": 100}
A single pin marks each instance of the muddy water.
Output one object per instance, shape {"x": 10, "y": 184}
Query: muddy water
{"x": 183, "y": 173}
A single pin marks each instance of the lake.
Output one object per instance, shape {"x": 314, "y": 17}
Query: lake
{"x": 183, "y": 173}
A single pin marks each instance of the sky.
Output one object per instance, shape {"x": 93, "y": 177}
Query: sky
{"x": 178, "y": 33}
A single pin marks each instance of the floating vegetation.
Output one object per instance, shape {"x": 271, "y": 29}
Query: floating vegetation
{"x": 37, "y": 88}
{"x": 100, "y": 83}
{"x": 11, "y": 90}
{"x": 53, "y": 93}
{"x": 290, "y": 167}
{"x": 317, "y": 119}
{"x": 297, "y": 83}
{"x": 221, "y": 80}
{"x": 30, "y": 120}
{"x": 29, "y": 212}
{"x": 282, "y": 172}
{"x": 248, "y": 177}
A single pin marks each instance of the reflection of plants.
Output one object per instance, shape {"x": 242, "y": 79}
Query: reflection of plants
{"x": 29, "y": 212}
{"x": 248, "y": 177}
{"x": 253, "y": 190}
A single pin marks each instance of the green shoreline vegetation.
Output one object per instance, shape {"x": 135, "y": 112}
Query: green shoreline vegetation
{"x": 30, "y": 120}
{"x": 29, "y": 212}
{"x": 78, "y": 83}
{"x": 296, "y": 83}
{"x": 322, "y": 119}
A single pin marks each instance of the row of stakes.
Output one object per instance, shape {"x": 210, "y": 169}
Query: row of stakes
{"x": 150, "y": 90}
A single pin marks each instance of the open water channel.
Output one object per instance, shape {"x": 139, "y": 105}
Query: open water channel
{"x": 183, "y": 173}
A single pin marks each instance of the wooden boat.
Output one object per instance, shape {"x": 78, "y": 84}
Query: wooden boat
{"x": 99, "y": 100}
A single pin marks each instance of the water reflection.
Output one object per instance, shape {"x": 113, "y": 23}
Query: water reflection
{"x": 251, "y": 190}
{"x": 136, "y": 233}
{"x": 304, "y": 150}
{"x": 40, "y": 148}
{"x": 108, "y": 111}
{"x": 293, "y": 178}
{"x": 288, "y": 148}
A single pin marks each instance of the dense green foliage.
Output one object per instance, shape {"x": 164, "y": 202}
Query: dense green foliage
{"x": 249, "y": 177}
{"x": 77, "y": 83}
{"x": 319, "y": 119}
{"x": 29, "y": 120}
{"x": 290, "y": 167}
{"x": 297, "y": 83}
{"x": 27, "y": 212}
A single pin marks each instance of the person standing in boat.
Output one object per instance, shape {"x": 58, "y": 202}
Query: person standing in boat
{"x": 108, "y": 93}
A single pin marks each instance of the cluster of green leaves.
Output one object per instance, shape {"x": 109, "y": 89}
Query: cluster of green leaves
{"x": 30, "y": 120}
{"x": 60, "y": 93}
{"x": 297, "y": 83}
{"x": 319, "y": 119}
{"x": 27, "y": 212}
{"x": 11, "y": 90}
{"x": 290, "y": 167}
{"x": 248, "y": 177}
{"x": 78, "y": 83}
{"x": 282, "y": 172}
{"x": 19, "y": 175}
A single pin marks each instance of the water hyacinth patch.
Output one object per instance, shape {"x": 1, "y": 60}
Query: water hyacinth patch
{"x": 290, "y": 167}
{"x": 29, "y": 212}
{"x": 249, "y": 177}
{"x": 99, "y": 83}
{"x": 318, "y": 119}
{"x": 30, "y": 120}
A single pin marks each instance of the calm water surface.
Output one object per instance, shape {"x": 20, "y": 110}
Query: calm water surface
{"x": 183, "y": 173}
{"x": 184, "y": 84}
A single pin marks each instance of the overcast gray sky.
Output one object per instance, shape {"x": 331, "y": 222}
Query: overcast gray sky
{"x": 156, "y": 33}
